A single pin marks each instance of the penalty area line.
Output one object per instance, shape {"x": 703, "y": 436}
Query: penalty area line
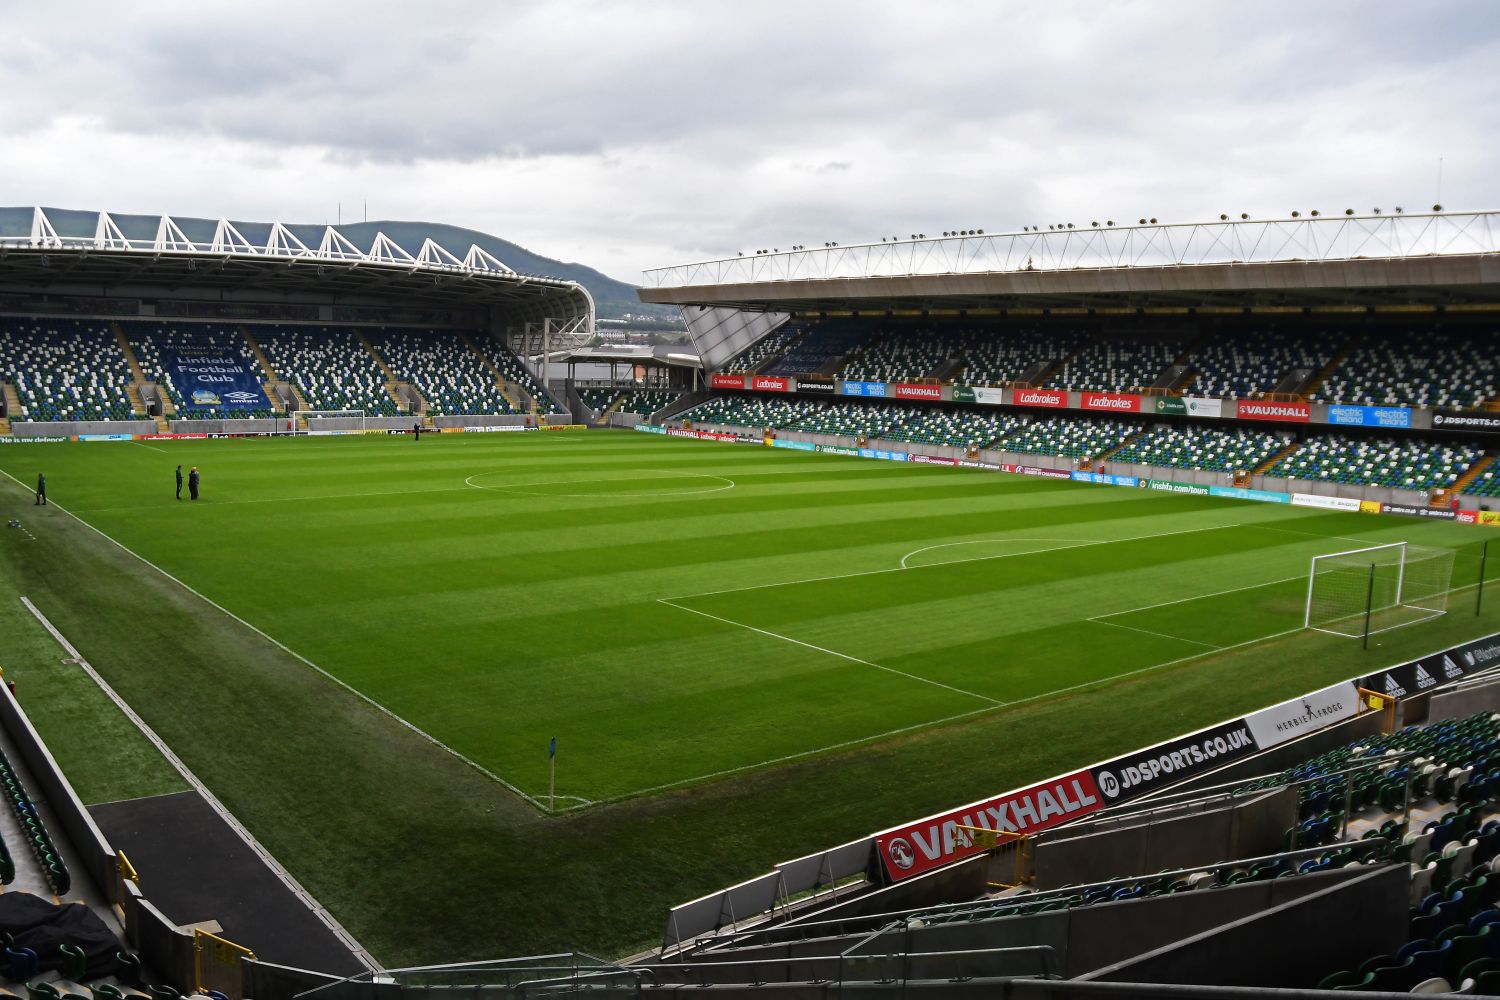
{"x": 993, "y": 702}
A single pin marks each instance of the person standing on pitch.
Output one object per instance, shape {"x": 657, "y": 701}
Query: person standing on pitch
{"x": 179, "y": 482}
{"x": 41, "y": 490}
{"x": 416, "y": 430}
{"x": 193, "y": 483}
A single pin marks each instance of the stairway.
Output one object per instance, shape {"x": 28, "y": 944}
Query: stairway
{"x": 1339, "y": 357}
{"x": 137, "y": 376}
{"x": 1474, "y": 472}
{"x": 1129, "y": 440}
{"x": 392, "y": 383}
{"x": 1060, "y": 364}
{"x": 259, "y": 355}
{"x": 500, "y": 382}
{"x": 1270, "y": 463}
{"x": 162, "y": 426}
{"x": 12, "y": 404}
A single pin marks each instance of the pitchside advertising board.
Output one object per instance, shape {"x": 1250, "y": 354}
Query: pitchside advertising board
{"x": 920, "y": 847}
{"x": 211, "y": 380}
{"x": 1146, "y": 771}
{"x": 1436, "y": 670}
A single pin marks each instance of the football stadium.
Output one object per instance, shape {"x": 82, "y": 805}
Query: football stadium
{"x": 1041, "y": 613}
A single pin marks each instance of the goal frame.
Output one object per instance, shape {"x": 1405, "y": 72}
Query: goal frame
{"x": 300, "y": 418}
{"x": 1398, "y": 600}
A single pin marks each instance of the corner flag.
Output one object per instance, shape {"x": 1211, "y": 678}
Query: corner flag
{"x": 552, "y": 748}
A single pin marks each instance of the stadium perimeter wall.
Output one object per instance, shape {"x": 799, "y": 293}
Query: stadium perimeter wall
{"x": 1062, "y": 466}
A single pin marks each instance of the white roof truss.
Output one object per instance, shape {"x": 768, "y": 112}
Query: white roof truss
{"x": 228, "y": 239}
{"x": 107, "y": 235}
{"x": 478, "y": 259}
{"x": 169, "y": 236}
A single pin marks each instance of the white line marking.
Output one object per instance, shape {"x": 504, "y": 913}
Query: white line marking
{"x": 1160, "y": 635}
{"x": 985, "y": 541}
{"x": 799, "y": 755}
{"x": 518, "y": 487}
{"x": 197, "y": 785}
{"x": 1310, "y": 534}
{"x": 1195, "y": 597}
{"x": 951, "y": 562}
{"x": 148, "y": 447}
{"x": 293, "y": 653}
{"x": 833, "y": 652}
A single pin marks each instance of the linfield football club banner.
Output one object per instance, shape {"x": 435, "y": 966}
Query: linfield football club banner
{"x": 211, "y": 380}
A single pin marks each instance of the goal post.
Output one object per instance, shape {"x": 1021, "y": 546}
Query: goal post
{"x": 328, "y": 422}
{"x": 1377, "y": 588}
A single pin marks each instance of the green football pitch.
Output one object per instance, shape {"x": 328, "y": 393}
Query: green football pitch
{"x": 674, "y": 611}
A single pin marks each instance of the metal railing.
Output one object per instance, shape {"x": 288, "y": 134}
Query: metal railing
{"x": 1228, "y": 241}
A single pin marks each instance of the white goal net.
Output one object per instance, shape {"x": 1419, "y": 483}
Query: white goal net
{"x": 1383, "y": 586}
{"x": 317, "y": 422}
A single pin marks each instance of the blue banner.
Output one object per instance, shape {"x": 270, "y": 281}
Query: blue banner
{"x": 212, "y": 379}
{"x": 864, "y": 388}
{"x": 794, "y": 445}
{"x": 881, "y": 453}
{"x": 1105, "y": 479}
{"x": 1370, "y": 416}
{"x": 1240, "y": 493}
{"x": 650, "y": 429}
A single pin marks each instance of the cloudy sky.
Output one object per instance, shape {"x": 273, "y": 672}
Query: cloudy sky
{"x": 637, "y": 134}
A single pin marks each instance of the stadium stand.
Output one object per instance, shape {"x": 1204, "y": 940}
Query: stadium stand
{"x": 869, "y": 420}
{"x": 1205, "y": 448}
{"x": 1407, "y": 465}
{"x": 510, "y": 367}
{"x": 1251, "y": 363}
{"x": 1118, "y": 364}
{"x": 1069, "y": 437}
{"x": 772, "y": 344}
{"x": 450, "y": 377}
{"x": 824, "y": 344}
{"x": 1430, "y": 367}
{"x": 148, "y": 339}
{"x": 599, "y": 398}
{"x": 65, "y": 369}
{"x": 956, "y": 428}
{"x": 331, "y": 367}
{"x": 647, "y": 401}
{"x": 1005, "y": 355}
{"x": 747, "y": 411}
{"x": 1487, "y": 483}
{"x": 906, "y": 354}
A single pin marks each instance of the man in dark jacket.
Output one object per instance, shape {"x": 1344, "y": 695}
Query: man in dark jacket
{"x": 179, "y": 482}
{"x": 41, "y": 490}
{"x": 193, "y": 483}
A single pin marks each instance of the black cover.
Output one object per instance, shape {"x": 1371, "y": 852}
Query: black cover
{"x": 41, "y": 925}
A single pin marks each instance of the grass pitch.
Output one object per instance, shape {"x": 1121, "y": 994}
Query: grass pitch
{"x": 675, "y": 611}
{"x": 845, "y": 644}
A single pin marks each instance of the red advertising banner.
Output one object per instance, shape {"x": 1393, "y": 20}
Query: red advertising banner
{"x": 1467, "y": 517}
{"x": 1039, "y": 397}
{"x": 1118, "y": 402}
{"x": 170, "y": 437}
{"x": 722, "y": 381}
{"x": 1256, "y": 409}
{"x": 770, "y": 383}
{"x": 940, "y": 840}
{"x": 910, "y": 390}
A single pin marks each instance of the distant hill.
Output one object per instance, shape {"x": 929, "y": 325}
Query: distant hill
{"x": 612, "y": 298}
